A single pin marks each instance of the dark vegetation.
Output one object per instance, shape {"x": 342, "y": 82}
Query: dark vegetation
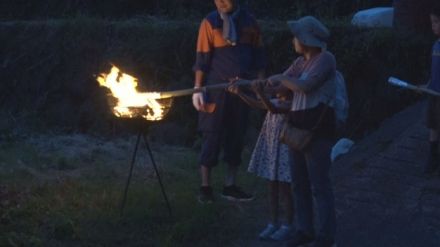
{"x": 117, "y": 9}
{"x": 63, "y": 188}
{"x": 52, "y": 52}
{"x": 49, "y": 67}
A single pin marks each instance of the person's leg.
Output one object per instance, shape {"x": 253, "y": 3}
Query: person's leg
{"x": 235, "y": 123}
{"x": 231, "y": 175}
{"x": 433, "y": 136}
{"x": 230, "y": 190}
{"x": 286, "y": 229}
{"x": 318, "y": 165}
{"x": 205, "y": 173}
{"x": 304, "y": 232}
{"x": 209, "y": 155}
{"x": 433, "y": 141}
{"x": 285, "y": 190}
{"x": 433, "y": 159}
{"x": 303, "y": 194}
{"x": 208, "y": 159}
{"x": 432, "y": 123}
{"x": 272, "y": 226}
{"x": 274, "y": 201}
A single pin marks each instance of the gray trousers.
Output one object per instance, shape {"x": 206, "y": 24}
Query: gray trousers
{"x": 311, "y": 180}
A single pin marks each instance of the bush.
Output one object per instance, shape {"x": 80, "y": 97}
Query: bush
{"x": 111, "y": 9}
{"x": 49, "y": 68}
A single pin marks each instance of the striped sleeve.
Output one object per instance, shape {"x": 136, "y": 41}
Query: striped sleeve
{"x": 204, "y": 47}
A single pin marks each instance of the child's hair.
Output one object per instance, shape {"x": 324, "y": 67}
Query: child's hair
{"x": 435, "y": 10}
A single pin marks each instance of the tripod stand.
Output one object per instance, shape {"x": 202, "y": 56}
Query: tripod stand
{"x": 142, "y": 133}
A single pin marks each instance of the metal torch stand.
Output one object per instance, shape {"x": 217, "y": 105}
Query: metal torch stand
{"x": 143, "y": 134}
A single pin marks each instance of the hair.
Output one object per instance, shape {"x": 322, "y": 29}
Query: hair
{"x": 435, "y": 10}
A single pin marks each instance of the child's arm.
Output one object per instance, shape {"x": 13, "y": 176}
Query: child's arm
{"x": 251, "y": 101}
{"x": 257, "y": 86}
{"x": 272, "y": 108}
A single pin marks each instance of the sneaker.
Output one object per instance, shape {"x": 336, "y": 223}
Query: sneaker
{"x": 282, "y": 234}
{"x": 234, "y": 193}
{"x": 206, "y": 196}
{"x": 300, "y": 238}
{"x": 267, "y": 232}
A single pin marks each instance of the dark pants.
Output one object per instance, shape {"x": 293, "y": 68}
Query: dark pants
{"x": 310, "y": 175}
{"x": 433, "y": 113}
{"x": 224, "y": 128}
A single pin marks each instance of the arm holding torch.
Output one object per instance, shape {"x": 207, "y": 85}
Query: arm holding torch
{"x": 261, "y": 101}
{"x": 248, "y": 99}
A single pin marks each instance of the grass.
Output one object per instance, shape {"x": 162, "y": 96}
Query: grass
{"x": 51, "y": 199}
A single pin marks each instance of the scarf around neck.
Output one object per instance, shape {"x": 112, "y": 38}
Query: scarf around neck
{"x": 229, "y": 26}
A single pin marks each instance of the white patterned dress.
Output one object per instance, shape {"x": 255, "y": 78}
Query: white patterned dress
{"x": 270, "y": 158}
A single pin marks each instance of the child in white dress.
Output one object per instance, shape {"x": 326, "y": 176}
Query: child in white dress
{"x": 270, "y": 158}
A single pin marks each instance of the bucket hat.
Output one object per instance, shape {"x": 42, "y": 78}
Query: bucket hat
{"x": 310, "y": 31}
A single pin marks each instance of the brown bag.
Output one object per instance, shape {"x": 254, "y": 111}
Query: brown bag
{"x": 296, "y": 138}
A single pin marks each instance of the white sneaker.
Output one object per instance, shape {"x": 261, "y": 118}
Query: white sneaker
{"x": 282, "y": 234}
{"x": 267, "y": 232}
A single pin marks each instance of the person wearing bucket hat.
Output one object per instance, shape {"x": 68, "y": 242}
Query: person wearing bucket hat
{"x": 310, "y": 32}
{"x": 311, "y": 78}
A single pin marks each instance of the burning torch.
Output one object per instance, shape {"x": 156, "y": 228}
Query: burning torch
{"x": 127, "y": 102}
{"x": 152, "y": 106}
{"x": 399, "y": 83}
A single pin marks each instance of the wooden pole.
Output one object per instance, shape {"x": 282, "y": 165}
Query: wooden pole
{"x": 190, "y": 91}
{"x": 396, "y": 82}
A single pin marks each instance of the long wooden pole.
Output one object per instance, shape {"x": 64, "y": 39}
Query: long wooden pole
{"x": 190, "y": 91}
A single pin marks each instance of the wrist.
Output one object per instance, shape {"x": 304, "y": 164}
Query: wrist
{"x": 197, "y": 90}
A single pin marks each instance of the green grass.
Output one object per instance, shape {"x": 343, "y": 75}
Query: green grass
{"x": 47, "y": 199}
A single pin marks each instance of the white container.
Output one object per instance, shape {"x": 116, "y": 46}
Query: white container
{"x": 375, "y": 17}
{"x": 341, "y": 147}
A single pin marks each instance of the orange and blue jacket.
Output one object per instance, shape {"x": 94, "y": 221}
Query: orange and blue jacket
{"x": 220, "y": 60}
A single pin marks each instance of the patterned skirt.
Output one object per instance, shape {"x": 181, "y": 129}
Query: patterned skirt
{"x": 270, "y": 158}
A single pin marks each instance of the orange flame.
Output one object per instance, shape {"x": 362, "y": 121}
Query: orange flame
{"x": 123, "y": 88}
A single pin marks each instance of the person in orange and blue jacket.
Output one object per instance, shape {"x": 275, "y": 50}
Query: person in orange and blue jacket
{"x": 229, "y": 46}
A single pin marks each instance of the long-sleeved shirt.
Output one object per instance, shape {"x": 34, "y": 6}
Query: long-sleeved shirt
{"x": 222, "y": 61}
{"x": 315, "y": 80}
